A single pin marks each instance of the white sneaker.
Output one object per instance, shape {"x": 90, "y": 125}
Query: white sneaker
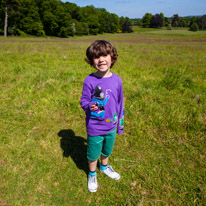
{"x": 110, "y": 173}
{"x": 92, "y": 183}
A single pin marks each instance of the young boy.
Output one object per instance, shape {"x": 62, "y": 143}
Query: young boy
{"x": 102, "y": 101}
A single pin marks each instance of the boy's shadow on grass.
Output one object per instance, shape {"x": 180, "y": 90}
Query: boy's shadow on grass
{"x": 75, "y": 147}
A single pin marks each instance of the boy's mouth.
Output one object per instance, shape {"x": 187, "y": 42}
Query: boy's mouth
{"x": 101, "y": 65}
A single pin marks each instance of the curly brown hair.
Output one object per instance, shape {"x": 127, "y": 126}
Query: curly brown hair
{"x": 100, "y": 48}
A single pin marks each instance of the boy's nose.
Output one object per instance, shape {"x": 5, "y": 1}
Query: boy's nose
{"x": 101, "y": 58}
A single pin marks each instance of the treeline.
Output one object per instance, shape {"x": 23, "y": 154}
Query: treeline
{"x": 158, "y": 21}
{"x": 56, "y": 18}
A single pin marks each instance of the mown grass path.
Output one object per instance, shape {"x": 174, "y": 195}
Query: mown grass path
{"x": 161, "y": 156}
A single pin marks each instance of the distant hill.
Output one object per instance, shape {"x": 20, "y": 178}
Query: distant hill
{"x": 193, "y": 16}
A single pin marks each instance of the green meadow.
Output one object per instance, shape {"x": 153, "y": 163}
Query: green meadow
{"x": 161, "y": 155}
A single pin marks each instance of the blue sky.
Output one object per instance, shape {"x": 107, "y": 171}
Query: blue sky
{"x": 137, "y": 8}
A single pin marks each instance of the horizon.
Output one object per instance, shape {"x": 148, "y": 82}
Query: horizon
{"x": 136, "y": 9}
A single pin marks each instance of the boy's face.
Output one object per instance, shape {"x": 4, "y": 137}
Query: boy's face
{"x": 103, "y": 63}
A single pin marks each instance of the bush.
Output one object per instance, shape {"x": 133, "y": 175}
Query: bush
{"x": 21, "y": 33}
{"x": 194, "y": 27}
{"x": 169, "y": 27}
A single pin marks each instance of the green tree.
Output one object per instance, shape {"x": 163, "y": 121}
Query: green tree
{"x": 9, "y": 5}
{"x": 30, "y": 21}
{"x": 156, "y": 21}
{"x": 163, "y": 18}
{"x": 94, "y": 25}
{"x": 50, "y": 23}
{"x": 74, "y": 10}
{"x": 56, "y": 18}
{"x": 63, "y": 19}
{"x": 113, "y": 23}
{"x": 184, "y": 21}
{"x": 103, "y": 20}
{"x": 202, "y": 22}
{"x": 146, "y": 20}
{"x": 47, "y": 9}
{"x": 168, "y": 21}
{"x": 80, "y": 28}
{"x": 109, "y": 22}
{"x": 126, "y": 24}
{"x": 175, "y": 20}
{"x": 194, "y": 26}
{"x": 137, "y": 22}
{"x": 90, "y": 16}
{"x": 193, "y": 20}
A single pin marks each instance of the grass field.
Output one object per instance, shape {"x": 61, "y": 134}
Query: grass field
{"x": 161, "y": 156}
{"x": 179, "y": 31}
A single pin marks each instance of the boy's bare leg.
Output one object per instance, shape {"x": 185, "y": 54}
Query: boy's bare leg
{"x": 92, "y": 165}
{"x": 104, "y": 160}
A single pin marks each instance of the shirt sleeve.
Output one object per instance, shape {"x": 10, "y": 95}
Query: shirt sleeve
{"x": 86, "y": 98}
{"x": 120, "y": 125}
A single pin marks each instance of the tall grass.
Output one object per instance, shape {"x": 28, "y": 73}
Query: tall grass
{"x": 161, "y": 156}
{"x": 174, "y": 31}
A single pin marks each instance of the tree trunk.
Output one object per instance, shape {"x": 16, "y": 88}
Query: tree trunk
{"x": 6, "y": 21}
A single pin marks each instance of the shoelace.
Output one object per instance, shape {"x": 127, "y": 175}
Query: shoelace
{"x": 92, "y": 179}
{"x": 111, "y": 170}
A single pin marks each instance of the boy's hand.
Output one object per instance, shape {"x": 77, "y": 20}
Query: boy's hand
{"x": 94, "y": 107}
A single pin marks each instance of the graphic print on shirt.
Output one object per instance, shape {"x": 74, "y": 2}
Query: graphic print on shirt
{"x": 100, "y": 101}
{"x": 121, "y": 121}
{"x": 108, "y": 91}
{"x": 113, "y": 119}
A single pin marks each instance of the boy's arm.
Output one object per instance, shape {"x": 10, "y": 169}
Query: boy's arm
{"x": 120, "y": 125}
{"x": 86, "y": 98}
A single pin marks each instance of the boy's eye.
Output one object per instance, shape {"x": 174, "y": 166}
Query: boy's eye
{"x": 104, "y": 55}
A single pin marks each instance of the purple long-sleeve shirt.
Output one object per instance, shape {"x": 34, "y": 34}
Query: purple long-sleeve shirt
{"x": 107, "y": 93}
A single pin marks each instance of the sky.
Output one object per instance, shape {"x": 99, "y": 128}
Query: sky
{"x": 138, "y": 8}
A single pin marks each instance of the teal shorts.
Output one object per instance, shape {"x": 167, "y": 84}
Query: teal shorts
{"x": 97, "y": 145}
